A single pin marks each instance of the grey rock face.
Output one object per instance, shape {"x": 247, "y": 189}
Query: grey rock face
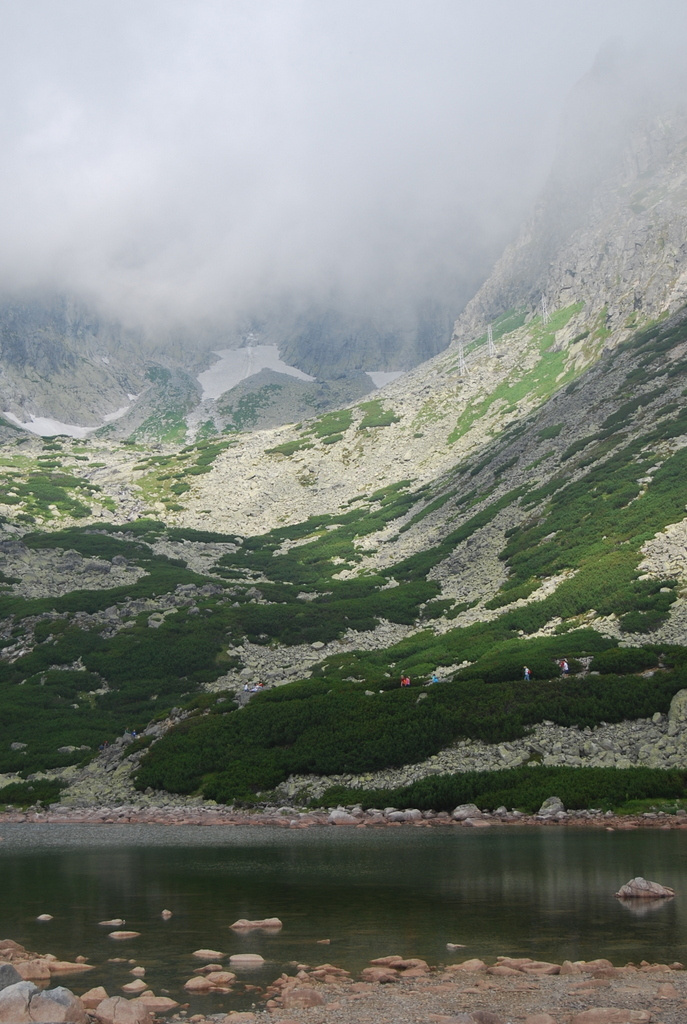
{"x": 640, "y": 888}
{"x": 464, "y": 811}
{"x": 8, "y": 976}
{"x": 552, "y": 805}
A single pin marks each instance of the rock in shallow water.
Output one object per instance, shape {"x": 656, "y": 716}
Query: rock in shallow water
{"x": 640, "y": 888}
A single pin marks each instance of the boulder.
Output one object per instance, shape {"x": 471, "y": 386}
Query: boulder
{"x": 57, "y": 1005}
{"x": 67, "y": 966}
{"x": 468, "y": 965}
{"x": 93, "y": 997}
{"x": 134, "y": 988}
{"x": 14, "y": 1002}
{"x": 381, "y": 975}
{"x": 221, "y": 978}
{"x": 118, "y": 1010}
{"x": 207, "y": 954}
{"x": 640, "y": 888}
{"x": 24, "y": 1002}
{"x": 246, "y": 960}
{"x": 158, "y": 1005}
{"x": 34, "y": 970}
{"x": 552, "y": 805}
{"x": 464, "y": 811}
{"x": 199, "y": 983}
{"x": 9, "y": 975}
{"x": 123, "y": 935}
{"x": 301, "y": 996}
{"x": 342, "y": 818}
{"x": 243, "y": 924}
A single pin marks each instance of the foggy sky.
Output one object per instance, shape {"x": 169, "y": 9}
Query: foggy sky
{"x": 174, "y": 159}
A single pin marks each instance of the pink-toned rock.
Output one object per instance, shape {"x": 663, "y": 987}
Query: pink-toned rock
{"x": 68, "y": 967}
{"x": 123, "y": 935}
{"x": 118, "y": 1010}
{"x": 380, "y": 975}
{"x": 411, "y": 964}
{"x": 592, "y": 966}
{"x": 541, "y": 967}
{"x": 244, "y": 925}
{"x": 667, "y": 991}
{"x": 568, "y": 967}
{"x": 640, "y": 888}
{"x": 386, "y": 961}
{"x": 44, "y": 917}
{"x": 475, "y": 964}
{"x": 246, "y": 960}
{"x": 138, "y": 972}
{"x": 501, "y": 971}
{"x": 301, "y": 996}
{"x": 236, "y": 1017}
{"x": 222, "y": 978}
{"x": 611, "y": 1015}
{"x": 33, "y": 970}
{"x": 199, "y": 983}
{"x": 93, "y": 997}
{"x": 208, "y": 954}
{"x": 158, "y": 1004}
{"x": 9, "y": 949}
{"x": 540, "y": 1018}
{"x": 166, "y": 914}
{"x": 134, "y": 988}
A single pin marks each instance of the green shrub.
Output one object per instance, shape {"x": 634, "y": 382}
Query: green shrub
{"x": 524, "y": 789}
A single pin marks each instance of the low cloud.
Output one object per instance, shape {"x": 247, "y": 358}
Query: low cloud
{"x": 180, "y": 163}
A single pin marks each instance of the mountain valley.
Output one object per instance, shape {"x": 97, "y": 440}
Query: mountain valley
{"x": 516, "y": 500}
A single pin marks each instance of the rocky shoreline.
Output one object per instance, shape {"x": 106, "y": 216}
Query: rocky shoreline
{"x": 551, "y": 813}
{"x": 391, "y": 989}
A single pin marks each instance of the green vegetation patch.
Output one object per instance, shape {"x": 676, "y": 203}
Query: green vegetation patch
{"x": 26, "y": 794}
{"x": 550, "y": 373}
{"x": 325, "y": 727}
{"x": 375, "y": 415}
{"x": 524, "y": 789}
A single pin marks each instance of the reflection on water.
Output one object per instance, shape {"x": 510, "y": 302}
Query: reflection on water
{"x": 541, "y": 892}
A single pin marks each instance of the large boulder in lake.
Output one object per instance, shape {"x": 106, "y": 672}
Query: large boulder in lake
{"x": 640, "y": 888}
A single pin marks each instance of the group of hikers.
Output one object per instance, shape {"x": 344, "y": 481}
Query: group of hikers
{"x": 405, "y": 679}
{"x": 562, "y": 664}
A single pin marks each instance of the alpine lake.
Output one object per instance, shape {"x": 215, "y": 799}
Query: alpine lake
{"x": 544, "y": 892}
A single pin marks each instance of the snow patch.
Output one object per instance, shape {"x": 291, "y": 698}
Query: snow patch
{"x": 46, "y": 427}
{"x": 381, "y": 377}
{"x": 236, "y": 364}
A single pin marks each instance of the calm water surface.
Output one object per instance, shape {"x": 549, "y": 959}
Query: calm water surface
{"x": 541, "y": 892}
